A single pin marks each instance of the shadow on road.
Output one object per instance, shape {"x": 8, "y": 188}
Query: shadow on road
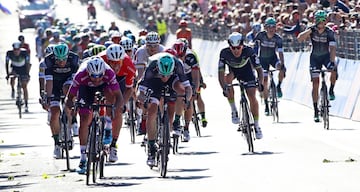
{"x": 262, "y": 153}
{"x": 198, "y": 153}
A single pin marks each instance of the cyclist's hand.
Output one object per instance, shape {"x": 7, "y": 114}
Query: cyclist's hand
{"x": 331, "y": 66}
{"x": 204, "y": 85}
{"x": 7, "y": 77}
{"x": 261, "y": 87}
{"x": 124, "y": 109}
{"x": 226, "y": 91}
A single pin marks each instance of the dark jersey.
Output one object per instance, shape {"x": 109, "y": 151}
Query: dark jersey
{"x": 321, "y": 42}
{"x": 190, "y": 62}
{"x": 17, "y": 60}
{"x": 240, "y": 66}
{"x": 56, "y": 73}
{"x": 268, "y": 46}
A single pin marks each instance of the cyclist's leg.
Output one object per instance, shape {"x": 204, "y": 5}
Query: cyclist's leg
{"x": 333, "y": 78}
{"x": 201, "y": 106}
{"x": 265, "y": 63}
{"x": 315, "y": 65}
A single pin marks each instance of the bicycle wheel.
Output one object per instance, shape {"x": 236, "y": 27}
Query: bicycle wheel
{"x": 132, "y": 120}
{"x": 247, "y": 126}
{"x": 91, "y": 155}
{"x": 66, "y": 136}
{"x": 18, "y": 104}
{"x": 165, "y": 144}
{"x": 195, "y": 119}
{"x": 274, "y": 102}
{"x": 102, "y": 149}
{"x": 325, "y": 107}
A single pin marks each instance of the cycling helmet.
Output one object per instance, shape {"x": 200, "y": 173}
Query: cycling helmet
{"x": 115, "y": 52}
{"x": 90, "y": 45}
{"x": 141, "y": 41}
{"x": 270, "y": 21}
{"x": 49, "y": 49}
{"x": 115, "y": 34}
{"x": 256, "y": 27}
{"x": 180, "y": 48}
{"x": 16, "y": 45}
{"x": 183, "y": 23}
{"x": 126, "y": 32}
{"x": 152, "y": 38}
{"x": 320, "y": 16}
{"x": 166, "y": 64}
{"x": 143, "y": 32}
{"x": 61, "y": 51}
{"x": 108, "y": 43}
{"x": 95, "y": 66}
{"x": 126, "y": 43}
{"x": 235, "y": 39}
{"x": 184, "y": 40}
{"x": 97, "y": 49}
{"x": 132, "y": 37}
{"x": 171, "y": 51}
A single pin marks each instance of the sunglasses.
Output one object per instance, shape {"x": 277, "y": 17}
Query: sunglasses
{"x": 236, "y": 48}
{"x": 152, "y": 45}
{"x": 95, "y": 76}
{"x": 62, "y": 59}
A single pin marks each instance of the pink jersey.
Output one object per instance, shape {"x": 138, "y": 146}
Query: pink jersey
{"x": 82, "y": 78}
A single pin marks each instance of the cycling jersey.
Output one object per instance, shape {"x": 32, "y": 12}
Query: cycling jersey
{"x": 17, "y": 60}
{"x": 321, "y": 42}
{"x": 42, "y": 68}
{"x": 82, "y": 78}
{"x": 57, "y": 73}
{"x": 242, "y": 66}
{"x": 190, "y": 61}
{"x": 127, "y": 69}
{"x": 142, "y": 56}
{"x": 268, "y": 47}
{"x": 250, "y": 39}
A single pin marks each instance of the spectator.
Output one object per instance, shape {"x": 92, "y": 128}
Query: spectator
{"x": 113, "y": 27}
{"x": 151, "y": 25}
{"x": 162, "y": 28}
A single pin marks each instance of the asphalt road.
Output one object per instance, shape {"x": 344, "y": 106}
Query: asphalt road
{"x": 295, "y": 154}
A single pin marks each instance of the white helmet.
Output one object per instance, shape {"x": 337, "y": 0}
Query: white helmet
{"x": 127, "y": 43}
{"x": 115, "y": 52}
{"x": 95, "y": 66}
{"x": 49, "y": 49}
{"x": 235, "y": 39}
{"x": 152, "y": 38}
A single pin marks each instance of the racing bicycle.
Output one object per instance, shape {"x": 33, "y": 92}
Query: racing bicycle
{"x": 273, "y": 97}
{"x": 324, "y": 99}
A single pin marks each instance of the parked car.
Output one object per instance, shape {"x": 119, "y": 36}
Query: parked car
{"x": 33, "y": 10}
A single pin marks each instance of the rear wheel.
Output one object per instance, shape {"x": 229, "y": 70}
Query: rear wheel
{"x": 195, "y": 119}
{"x": 247, "y": 127}
{"x": 274, "y": 102}
{"x": 66, "y": 139}
{"x": 325, "y": 108}
{"x": 132, "y": 120}
{"x": 91, "y": 152}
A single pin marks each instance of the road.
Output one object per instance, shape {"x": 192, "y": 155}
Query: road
{"x": 295, "y": 154}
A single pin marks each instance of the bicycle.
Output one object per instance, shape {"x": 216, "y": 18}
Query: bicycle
{"x": 65, "y": 142}
{"x": 246, "y": 125}
{"x": 131, "y": 119}
{"x": 196, "y": 119}
{"x": 163, "y": 131}
{"x": 273, "y": 97}
{"x": 19, "y": 100}
{"x": 324, "y": 100}
{"x": 97, "y": 152}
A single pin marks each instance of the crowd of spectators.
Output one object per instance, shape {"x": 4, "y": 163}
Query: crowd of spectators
{"x": 238, "y": 15}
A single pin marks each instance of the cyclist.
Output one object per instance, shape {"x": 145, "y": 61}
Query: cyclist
{"x": 24, "y": 45}
{"x": 241, "y": 60}
{"x": 323, "y": 53}
{"x": 184, "y": 32}
{"x": 128, "y": 46}
{"x": 192, "y": 68}
{"x": 250, "y": 36}
{"x": 151, "y": 47}
{"x": 61, "y": 65}
{"x": 20, "y": 65}
{"x": 163, "y": 70}
{"x": 93, "y": 75}
{"x": 269, "y": 43}
{"x": 124, "y": 69}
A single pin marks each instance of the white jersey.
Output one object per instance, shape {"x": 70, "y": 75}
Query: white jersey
{"x": 142, "y": 56}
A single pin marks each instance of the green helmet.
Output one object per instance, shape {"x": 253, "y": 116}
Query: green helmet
{"x": 270, "y": 21}
{"x": 166, "y": 64}
{"x": 61, "y": 51}
{"x": 320, "y": 16}
{"x": 97, "y": 49}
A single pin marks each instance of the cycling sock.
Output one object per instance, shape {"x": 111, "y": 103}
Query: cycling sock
{"x": 315, "y": 108}
{"x": 113, "y": 142}
{"x": 331, "y": 88}
{"x": 186, "y": 127}
{"x": 279, "y": 83}
{"x": 26, "y": 103}
{"x": 82, "y": 152}
{"x": 266, "y": 104}
{"x": 232, "y": 104}
{"x": 202, "y": 115}
{"x": 56, "y": 139}
{"x": 151, "y": 142}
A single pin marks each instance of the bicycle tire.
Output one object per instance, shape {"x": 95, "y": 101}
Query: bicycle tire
{"x": 247, "y": 126}
{"x": 132, "y": 120}
{"x": 325, "y": 107}
{"x": 103, "y": 153}
{"x": 91, "y": 151}
{"x": 18, "y": 103}
{"x": 274, "y": 101}
{"x": 175, "y": 146}
{"x": 165, "y": 144}
{"x": 66, "y": 144}
{"x": 195, "y": 119}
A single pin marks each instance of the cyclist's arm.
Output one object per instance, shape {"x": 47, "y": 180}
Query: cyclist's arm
{"x": 304, "y": 35}
{"x": 221, "y": 72}
{"x": 332, "y": 46}
{"x": 7, "y": 60}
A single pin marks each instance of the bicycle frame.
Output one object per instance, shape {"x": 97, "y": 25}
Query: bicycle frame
{"x": 273, "y": 97}
{"x": 324, "y": 100}
{"x": 19, "y": 99}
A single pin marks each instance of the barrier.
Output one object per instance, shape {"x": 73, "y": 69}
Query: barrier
{"x": 297, "y": 85}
